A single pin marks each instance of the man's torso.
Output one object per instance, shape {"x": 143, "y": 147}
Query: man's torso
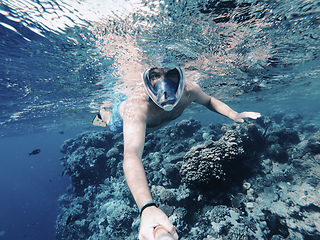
{"x": 155, "y": 116}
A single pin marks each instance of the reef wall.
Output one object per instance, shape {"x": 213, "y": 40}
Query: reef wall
{"x": 255, "y": 180}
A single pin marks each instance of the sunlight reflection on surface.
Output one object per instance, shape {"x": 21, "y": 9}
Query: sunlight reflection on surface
{"x": 58, "y": 15}
{"x": 74, "y": 54}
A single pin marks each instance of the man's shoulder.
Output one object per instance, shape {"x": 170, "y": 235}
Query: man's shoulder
{"x": 195, "y": 93}
{"x": 192, "y": 89}
{"x": 137, "y": 101}
{"x": 192, "y": 86}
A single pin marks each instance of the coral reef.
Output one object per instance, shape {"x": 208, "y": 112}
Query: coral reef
{"x": 215, "y": 162}
{"x": 257, "y": 180}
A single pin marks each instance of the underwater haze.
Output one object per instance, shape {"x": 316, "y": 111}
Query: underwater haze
{"x": 59, "y": 60}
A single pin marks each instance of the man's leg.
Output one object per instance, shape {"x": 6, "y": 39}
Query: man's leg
{"x": 104, "y": 112}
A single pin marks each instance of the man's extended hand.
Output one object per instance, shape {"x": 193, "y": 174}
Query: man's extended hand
{"x": 151, "y": 218}
{"x": 240, "y": 116}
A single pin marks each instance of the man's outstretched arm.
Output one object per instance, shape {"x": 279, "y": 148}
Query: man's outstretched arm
{"x": 134, "y": 137}
{"x": 217, "y": 106}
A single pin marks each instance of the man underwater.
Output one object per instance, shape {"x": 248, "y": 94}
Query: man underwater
{"x": 164, "y": 97}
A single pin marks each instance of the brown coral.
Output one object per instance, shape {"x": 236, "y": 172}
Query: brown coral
{"x": 207, "y": 162}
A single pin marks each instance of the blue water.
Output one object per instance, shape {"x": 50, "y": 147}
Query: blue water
{"x": 30, "y": 185}
{"x": 59, "y": 60}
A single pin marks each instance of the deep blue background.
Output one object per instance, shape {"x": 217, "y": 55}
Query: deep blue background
{"x": 31, "y": 185}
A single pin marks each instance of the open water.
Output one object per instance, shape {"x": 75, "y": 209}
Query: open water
{"x": 59, "y": 60}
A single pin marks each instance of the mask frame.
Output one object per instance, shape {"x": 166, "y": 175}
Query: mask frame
{"x": 163, "y": 86}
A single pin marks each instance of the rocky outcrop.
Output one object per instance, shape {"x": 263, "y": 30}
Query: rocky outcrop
{"x": 221, "y": 161}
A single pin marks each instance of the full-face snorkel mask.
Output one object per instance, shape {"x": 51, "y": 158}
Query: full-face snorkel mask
{"x": 165, "y": 93}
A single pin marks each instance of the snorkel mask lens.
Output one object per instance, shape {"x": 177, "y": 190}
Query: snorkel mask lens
{"x": 165, "y": 89}
{"x": 165, "y": 93}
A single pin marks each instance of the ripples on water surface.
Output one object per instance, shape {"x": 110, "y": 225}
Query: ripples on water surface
{"x": 61, "y": 59}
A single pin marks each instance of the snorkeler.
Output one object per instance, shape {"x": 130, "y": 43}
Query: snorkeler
{"x": 164, "y": 97}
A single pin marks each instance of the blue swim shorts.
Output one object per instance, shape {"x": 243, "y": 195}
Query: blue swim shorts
{"x": 116, "y": 121}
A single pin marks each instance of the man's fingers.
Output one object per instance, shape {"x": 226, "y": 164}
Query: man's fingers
{"x": 256, "y": 115}
{"x": 168, "y": 229}
{"x": 175, "y": 236}
{"x": 253, "y": 115}
{"x": 172, "y": 231}
{"x": 147, "y": 234}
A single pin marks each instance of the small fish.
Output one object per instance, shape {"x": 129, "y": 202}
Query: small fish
{"x": 72, "y": 219}
{"x": 69, "y": 220}
{"x": 61, "y": 132}
{"x": 34, "y": 152}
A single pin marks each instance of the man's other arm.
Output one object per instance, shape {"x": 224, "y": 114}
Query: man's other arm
{"x": 216, "y": 105}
